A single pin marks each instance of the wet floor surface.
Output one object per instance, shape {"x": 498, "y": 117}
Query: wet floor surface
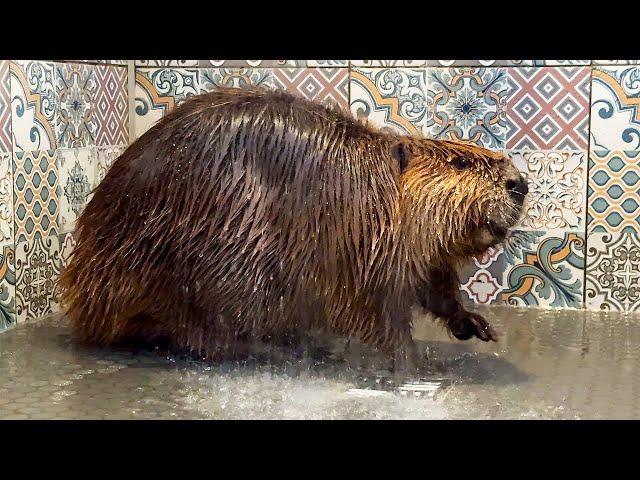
{"x": 547, "y": 365}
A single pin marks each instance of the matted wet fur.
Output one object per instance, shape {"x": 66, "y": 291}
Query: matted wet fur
{"x": 256, "y": 213}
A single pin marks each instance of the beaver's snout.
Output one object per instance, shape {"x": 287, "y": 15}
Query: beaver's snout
{"x": 518, "y": 188}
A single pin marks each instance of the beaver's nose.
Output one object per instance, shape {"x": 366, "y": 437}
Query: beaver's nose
{"x": 518, "y": 187}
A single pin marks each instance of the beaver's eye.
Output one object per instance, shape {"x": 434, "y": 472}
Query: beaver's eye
{"x": 461, "y": 163}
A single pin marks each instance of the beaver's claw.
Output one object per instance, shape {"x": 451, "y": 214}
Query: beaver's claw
{"x": 464, "y": 325}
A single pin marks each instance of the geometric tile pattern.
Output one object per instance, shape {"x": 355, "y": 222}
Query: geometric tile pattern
{"x": 469, "y": 104}
{"x": 615, "y": 108}
{"x": 532, "y": 268}
{"x": 5, "y": 106}
{"x": 38, "y": 264}
{"x": 614, "y": 191}
{"x": 324, "y": 85}
{"x": 273, "y": 63}
{"x": 77, "y": 177}
{"x": 613, "y": 271}
{"x": 35, "y": 195}
{"x": 548, "y": 108}
{"x": 557, "y": 188}
{"x": 76, "y": 87}
{"x": 111, "y": 106}
{"x": 33, "y": 106}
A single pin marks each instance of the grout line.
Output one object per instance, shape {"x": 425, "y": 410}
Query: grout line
{"x": 131, "y": 90}
{"x": 586, "y": 210}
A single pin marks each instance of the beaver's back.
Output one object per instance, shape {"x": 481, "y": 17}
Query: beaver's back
{"x": 244, "y": 207}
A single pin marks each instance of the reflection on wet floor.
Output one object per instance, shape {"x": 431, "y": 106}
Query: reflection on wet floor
{"x": 548, "y": 364}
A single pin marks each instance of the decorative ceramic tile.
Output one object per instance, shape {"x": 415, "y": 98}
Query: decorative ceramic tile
{"x": 616, "y": 62}
{"x": 106, "y": 62}
{"x": 35, "y": 195}
{"x": 209, "y": 78}
{"x": 561, "y": 62}
{"x": 557, "y": 189}
{"x": 532, "y": 268}
{"x": 390, "y": 63}
{"x": 326, "y": 85}
{"x": 75, "y": 121}
{"x": 77, "y": 176}
{"x": 548, "y": 108}
{"x": 5, "y": 106}
{"x": 615, "y": 108}
{"x": 614, "y": 188}
{"x": 67, "y": 244}
{"x": 6, "y": 199}
{"x": 395, "y": 99}
{"x": 166, "y": 63}
{"x": 327, "y": 63}
{"x": 7, "y": 286}
{"x": 613, "y": 272}
{"x": 158, "y": 90}
{"x": 112, "y": 105}
{"x": 106, "y": 157}
{"x": 38, "y": 264}
{"x": 273, "y": 63}
{"x": 469, "y": 104}
{"x": 483, "y": 63}
{"x": 33, "y": 106}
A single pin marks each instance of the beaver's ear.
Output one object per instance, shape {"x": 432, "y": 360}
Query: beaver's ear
{"x": 400, "y": 153}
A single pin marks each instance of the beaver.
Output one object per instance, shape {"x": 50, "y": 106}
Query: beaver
{"x": 253, "y": 212}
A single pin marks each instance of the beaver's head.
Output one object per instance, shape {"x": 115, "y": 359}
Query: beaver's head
{"x": 459, "y": 197}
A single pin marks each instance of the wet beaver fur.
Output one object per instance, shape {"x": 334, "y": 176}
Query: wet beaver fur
{"x": 254, "y": 213}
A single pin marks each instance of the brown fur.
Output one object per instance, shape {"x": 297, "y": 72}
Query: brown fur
{"x": 251, "y": 212}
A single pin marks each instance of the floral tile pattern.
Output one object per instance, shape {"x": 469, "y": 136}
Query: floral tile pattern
{"x": 158, "y": 90}
{"x": 548, "y": 108}
{"x": 325, "y": 85}
{"x": 166, "y": 63}
{"x": 77, "y": 177}
{"x": 33, "y": 105}
{"x": 210, "y": 78}
{"x": 7, "y": 286}
{"x": 394, "y": 98}
{"x": 483, "y": 63}
{"x": 469, "y": 104}
{"x": 615, "y": 108}
{"x": 111, "y": 105}
{"x": 38, "y": 264}
{"x": 6, "y": 199}
{"x": 75, "y": 121}
{"x": 616, "y": 62}
{"x": 105, "y": 158}
{"x": 5, "y": 106}
{"x": 561, "y": 62}
{"x": 614, "y": 191}
{"x": 390, "y": 63}
{"x": 67, "y": 244}
{"x": 35, "y": 195}
{"x": 613, "y": 272}
{"x": 557, "y": 189}
{"x": 532, "y": 268}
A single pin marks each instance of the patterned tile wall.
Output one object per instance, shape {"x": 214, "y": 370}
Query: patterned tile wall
{"x": 573, "y": 126}
{"x": 61, "y": 123}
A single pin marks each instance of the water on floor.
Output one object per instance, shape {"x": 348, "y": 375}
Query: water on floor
{"x": 547, "y": 365}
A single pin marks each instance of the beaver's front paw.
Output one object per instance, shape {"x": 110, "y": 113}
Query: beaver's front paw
{"x": 464, "y": 325}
